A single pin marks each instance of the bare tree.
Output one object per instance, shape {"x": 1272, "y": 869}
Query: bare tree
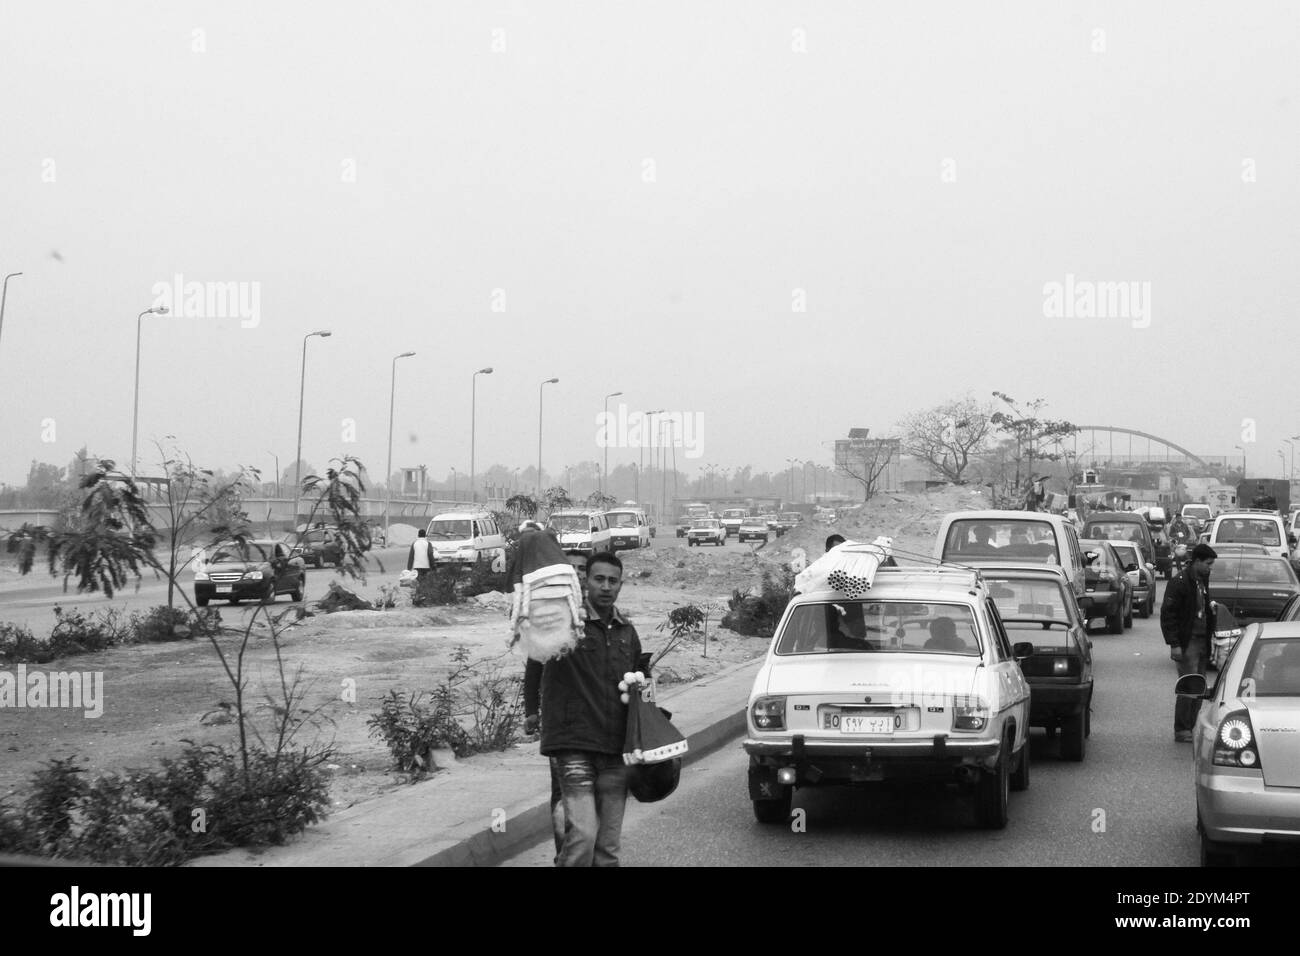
{"x": 948, "y": 436}
{"x": 865, "y": 459}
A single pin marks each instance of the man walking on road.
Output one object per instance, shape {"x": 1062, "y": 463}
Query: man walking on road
{"x": 584, "y": 723}
{"x": 1187, "y": 623}
{"x": 421, "y": 555}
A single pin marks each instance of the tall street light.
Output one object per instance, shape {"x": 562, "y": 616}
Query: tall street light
{"x": 302, "y": 391}
{"x": 473, "y": 400}
{"x": 605, "y": 471}
{"x": 1243, "y": 462}
{"x": 549, "y": 381}
{"x": 1291, "y": 441}
{"x": 454, "y": 485}
{"x": 135, "y": 414}
{"x": 277, "y": 475}
{"x": 790, "y": 480}
{"x": 388, "y": 475}
{"x": 641, "y": 445}
{"x": 4, "y": 294}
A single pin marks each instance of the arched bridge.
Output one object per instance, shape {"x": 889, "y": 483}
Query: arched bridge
{"x": 1115, "y": 429}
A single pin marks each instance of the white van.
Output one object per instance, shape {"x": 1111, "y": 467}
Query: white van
{"x": 465, "y": 537}
{"x": 586, "y": 532}
{"x": 979, "y": 538}
{"x": 1252, "y": 526}
{"x": 628, "y": 528}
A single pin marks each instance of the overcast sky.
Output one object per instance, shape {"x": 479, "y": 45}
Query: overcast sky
{"x": 785, "y": 219}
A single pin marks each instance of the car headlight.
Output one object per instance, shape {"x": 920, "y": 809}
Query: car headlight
{"x": 201, "y": 576}
{"x": 769, "y": 713}
{"x": 252, "y": 575}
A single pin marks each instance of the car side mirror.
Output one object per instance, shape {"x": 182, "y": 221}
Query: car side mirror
{"x": 1090, "y": 556}
{"x": 1022, "y": 650}
{"x": 1191, "y": 686}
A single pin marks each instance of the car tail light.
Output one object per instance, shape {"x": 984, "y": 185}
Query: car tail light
{"x": 1234, "y": 742}
{"x": 769, "y": 713}
{"x": 970, "y": 713}
{"x": 1065, "y": 666}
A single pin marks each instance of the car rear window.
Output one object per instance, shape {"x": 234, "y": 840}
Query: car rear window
{"x": 1119, "y": 530}
{"x": 1233, "y": 567}
{"x": 1248, "y": 531}
{"x": 981, "y": 538}
{"x": 1272, "y": 670}
{"x": 898, "y": 627}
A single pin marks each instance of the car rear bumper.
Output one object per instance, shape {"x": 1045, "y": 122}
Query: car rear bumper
{"x": 1099, "y": 603}
{"x": 1241, "y": 809}
{"x": 860, "y": 761}
{"x": 630, "y": 541}
{"x": 1051, "y": 702}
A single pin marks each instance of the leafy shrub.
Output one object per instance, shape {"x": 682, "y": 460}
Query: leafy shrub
{"x": 76, "y": 633}
{"x": 497, "y": 709}
{"x": 756, "y": 615}
{"x": 19, "y": 646}
{"x": 483, "y": 579}
{"x": 411, "y": 727}
{"x": 437, "y": 587}
{"x": 149, "y": 818}
{"x": 162, "y": 623}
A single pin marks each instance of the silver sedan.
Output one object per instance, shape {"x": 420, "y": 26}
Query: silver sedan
{"x": 1246, "y": 746}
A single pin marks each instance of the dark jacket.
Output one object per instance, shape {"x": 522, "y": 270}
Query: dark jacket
{"x": 1178, "y": 612}
{"x": 580, "y": 704}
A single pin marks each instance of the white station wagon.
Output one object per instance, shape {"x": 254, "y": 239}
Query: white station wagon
{"x": 914, "y": 678}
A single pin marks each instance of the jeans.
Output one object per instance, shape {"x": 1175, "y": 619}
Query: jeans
{"x": 593, "y": 795}
{"x": 557, "y": 811}
{"x": 1195, "y": 656}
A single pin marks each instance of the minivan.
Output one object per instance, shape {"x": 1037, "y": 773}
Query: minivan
{"x": 466, "y": 537}
{"x": 1124, "y": 526}
{"x": 1248, "y": 526}
{"x": 586, "y": 532}
{"x": 628, "y": 528}
{"x": 1012, "y": 537}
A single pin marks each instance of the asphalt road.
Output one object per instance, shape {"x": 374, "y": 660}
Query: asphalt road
{"x": 1129, "y": 803}
{"x": 31, "y": 601}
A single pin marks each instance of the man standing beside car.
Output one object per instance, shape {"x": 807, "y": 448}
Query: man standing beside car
{"x": 420, "y": 557}
{"x": 1187, "y": 623}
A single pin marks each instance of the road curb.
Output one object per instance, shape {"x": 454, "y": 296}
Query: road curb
{"x": 528, "y": 822}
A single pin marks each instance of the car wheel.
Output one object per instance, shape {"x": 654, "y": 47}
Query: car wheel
{"x": 1074, "y": 733}
{"x": 774, "y": 811}
{"x": 1115, "y": 622}
{"x": 991, "y": 794}
{"x": 200, "y": 601}
{"x": 268, "y": 595}
{"x": 296, "y": 593}
{"x": 1020, "y": 779}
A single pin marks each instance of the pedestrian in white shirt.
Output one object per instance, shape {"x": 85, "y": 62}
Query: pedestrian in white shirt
{"x": 421, "y": 555}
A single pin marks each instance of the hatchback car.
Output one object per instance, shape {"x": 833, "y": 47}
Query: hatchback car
{"x": 1037, "y": 606}
{"x": 1141, "y": 576}
{"x": 1246, "y": 746}
{"x": 255, "y": 571}
{"x": 916, "y": 680}
{"x": 1108, "y": 593}
{"x": 706, "y": 529}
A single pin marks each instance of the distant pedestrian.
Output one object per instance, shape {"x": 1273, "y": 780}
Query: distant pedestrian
{"x": 1187, "y": 623}
{"x": 421, "y": 555}
{"x": 833, "y": 540}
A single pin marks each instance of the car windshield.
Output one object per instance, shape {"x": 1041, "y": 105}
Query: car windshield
{"x": 705, "y": 523}
{"x": 622, "y": 519}
{"x": 231, "y": 553}
{"x": 450, "y": 529}
{"x": 1262, "y": 570}
{"x": 1249, "y": 531}
{"x": 897, "y": 627}
{"x": 1128, "y": 552}
{"x": 733, "y": 513}
{"x": 568, "y": 524}
{"x": 1272, "y": 670}
{"x": 1032, "y": 540}
{"x": 1196, "y": 512}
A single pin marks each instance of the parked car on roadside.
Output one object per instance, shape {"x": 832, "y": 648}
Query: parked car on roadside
{"x": 1246, "y": 746}
{"x": 1037, "y": 605}
{"x": 254, "y": 571}
{"x": 1108, "y": 594}
{"x": 706, "y": 529}
{"x": 917, "y": 680}
{"x": 1141, "y": 575}
{"x": 319, "y": 547}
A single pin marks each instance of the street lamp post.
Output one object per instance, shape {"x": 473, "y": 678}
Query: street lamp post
{"x": 473, "y": 402}
{"x": 1291, "y": 441}
{"x": 549, "y": 381}
{"x": 4, "y": 294}
{"x": 455, "y": 488}
{"x": 790, "y": 479}
{"x": 135, "y": 414}
{"x": 302, "y": 390}
{"x": 388, "y": 474}
{"x": 605, "y": 471}
{"x": 641, "y": 445}
{"x": 277, "y": 473}
{"x": 1243, "y": 462}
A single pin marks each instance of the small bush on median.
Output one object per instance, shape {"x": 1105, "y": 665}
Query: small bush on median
{"x": 77, "y": 633}
{"x": 19, "y": 646}
{"x": 756, "y": 615}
